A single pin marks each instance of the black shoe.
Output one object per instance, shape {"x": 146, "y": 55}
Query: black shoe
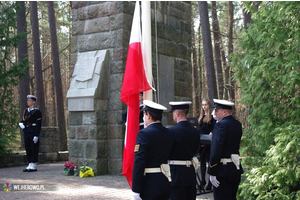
{"x": 25, "y": 170}
{"x": 32, "y": 170}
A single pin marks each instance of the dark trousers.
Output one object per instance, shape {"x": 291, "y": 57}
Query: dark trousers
{"x": 204, "y": 157}
{"x": 183, "y": 193}
{"x": 228, "y": 188}
{"x": 32, "y": 149}
{"x": 163, "y": 196}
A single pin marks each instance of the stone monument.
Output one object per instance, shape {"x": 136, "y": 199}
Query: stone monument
{"x": 88, "y": 105}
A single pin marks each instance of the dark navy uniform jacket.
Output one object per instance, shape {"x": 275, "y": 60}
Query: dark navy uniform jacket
{"x": 226, "y": 140}
{"x": 32, "y": 121}
{"x": 185, "y": 146}
{"x": 153, "y": 145}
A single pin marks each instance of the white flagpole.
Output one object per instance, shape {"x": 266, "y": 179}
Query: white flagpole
{"x": 146, "y": 45}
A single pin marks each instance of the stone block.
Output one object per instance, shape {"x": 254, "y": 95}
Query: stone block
{"x": 78, "y": 4}
{"x": 50, "y": 157}
{"x": 91, "y": 149}
{"x": 64, "y": 156}
{"x": 96, "y": 41}
{"x": 97, "y": 25}
{"x": 101, "y": 133}
{"x": 115, "y": 166}
{"x": 78, "y": 27}
{"x": 117, "y": 67}
{"x": 72, "y": 132}
{"x": 115, "y": 117}
{"x": 101, "y": 104}
{"x": 82, "y": 13}
{"x": 120, "y": 21}
{"x": 115, "y": 103}
{"x": 107, "y": 9}
{"x": 115, "y": 147}
{"x": 75, "y": 118}
{"x": 115, "y": 82}
{"x": 74, "y": 15}
{"x": 102, "y": 148}
{"x": 173, "y": 34}
{"x": 45, "y": 148}
{"x": 82, "y": 132}
{"x": 92, "y": 132}
{"x": 175, "y": 23}
{"x": 102, "y": 167}
{"x": 76, "y": 148}
{"x": 89, "y": 118}
{"x": 116, "y": 132}
{"x": 92, "y": 11}
{"x": 166, "y": 73}
{"x": 122, "y": 39}
{"x": 125, "y": 7}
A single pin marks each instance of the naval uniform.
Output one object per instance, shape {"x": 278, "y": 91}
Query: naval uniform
{"x": 226, "y": 140}
{"x": 152, "y": 149}
{"x": 32, "y": 120}
{"x": 141, "y": 117}
{"x": 185, "y": 146}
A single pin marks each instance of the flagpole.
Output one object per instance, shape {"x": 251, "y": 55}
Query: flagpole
{"x": 147, "y": 45}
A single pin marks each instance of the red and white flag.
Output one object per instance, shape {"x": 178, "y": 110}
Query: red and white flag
{"x": 134, "y": 82}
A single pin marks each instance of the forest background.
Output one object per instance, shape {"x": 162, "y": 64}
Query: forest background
{"x": 247, "y": 52}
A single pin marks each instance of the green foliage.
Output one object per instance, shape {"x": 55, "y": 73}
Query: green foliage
{"x": 10, "y": 71}
{"x": 266, "y": 65}
{"x": 279, "y": 175}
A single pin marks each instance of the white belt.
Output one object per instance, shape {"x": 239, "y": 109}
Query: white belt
{"x": 180, "y": 162}
{"x": 152, "y": 170}
{"x": 225, "y": 160}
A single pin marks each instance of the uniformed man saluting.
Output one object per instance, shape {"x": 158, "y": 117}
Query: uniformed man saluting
{"x": 151, "y": 173}
{"x": 225, "y": 169}
{"x": 31, "y": 124}
{"x": 185, "y": 146}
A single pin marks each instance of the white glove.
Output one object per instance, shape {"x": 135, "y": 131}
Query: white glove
{"x": 35, "y": 139}
{"x": 21, "y": 125}
{"x": 214, "y": 181}
{"x": 136, "y": 196}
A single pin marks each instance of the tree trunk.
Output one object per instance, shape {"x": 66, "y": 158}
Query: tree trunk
{"x": 39, "y": 84}
{"x": 217, "y": 40}
{"x": 230, "y": 50}
{"x": 57, "y": 78}
{"x": 194, "y": 72}
{"x": 208, "y": 53}
{"x": 246, "y": 18}
{"x": 200, "y": 73}
{"x": 22, "y": 54}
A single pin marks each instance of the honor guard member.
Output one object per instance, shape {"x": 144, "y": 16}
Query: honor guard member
{"x": 185, "y": 145}
{"x": 225, "y": 169}
{"x": 31, "y": 124}
{"x": 141, "y": 117}
{"x": 151, "y": 172}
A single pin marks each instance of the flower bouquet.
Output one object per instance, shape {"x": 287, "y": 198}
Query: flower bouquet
{"x": 69, "y": 168}
{"x": 86, "y": 171}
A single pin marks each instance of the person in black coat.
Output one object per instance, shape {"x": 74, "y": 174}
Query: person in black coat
{"x": 225, "y": 169}
{"x": 152, "y": 149}
{"x": 206, "y": 123}
{"x": 31, "y": 124}
{"x": 185, "y": 146}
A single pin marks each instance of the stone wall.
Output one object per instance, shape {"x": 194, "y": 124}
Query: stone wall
{"x": 106, "y": 25}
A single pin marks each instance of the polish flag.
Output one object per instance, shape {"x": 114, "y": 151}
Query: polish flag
{"x": 134, "y": 82}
